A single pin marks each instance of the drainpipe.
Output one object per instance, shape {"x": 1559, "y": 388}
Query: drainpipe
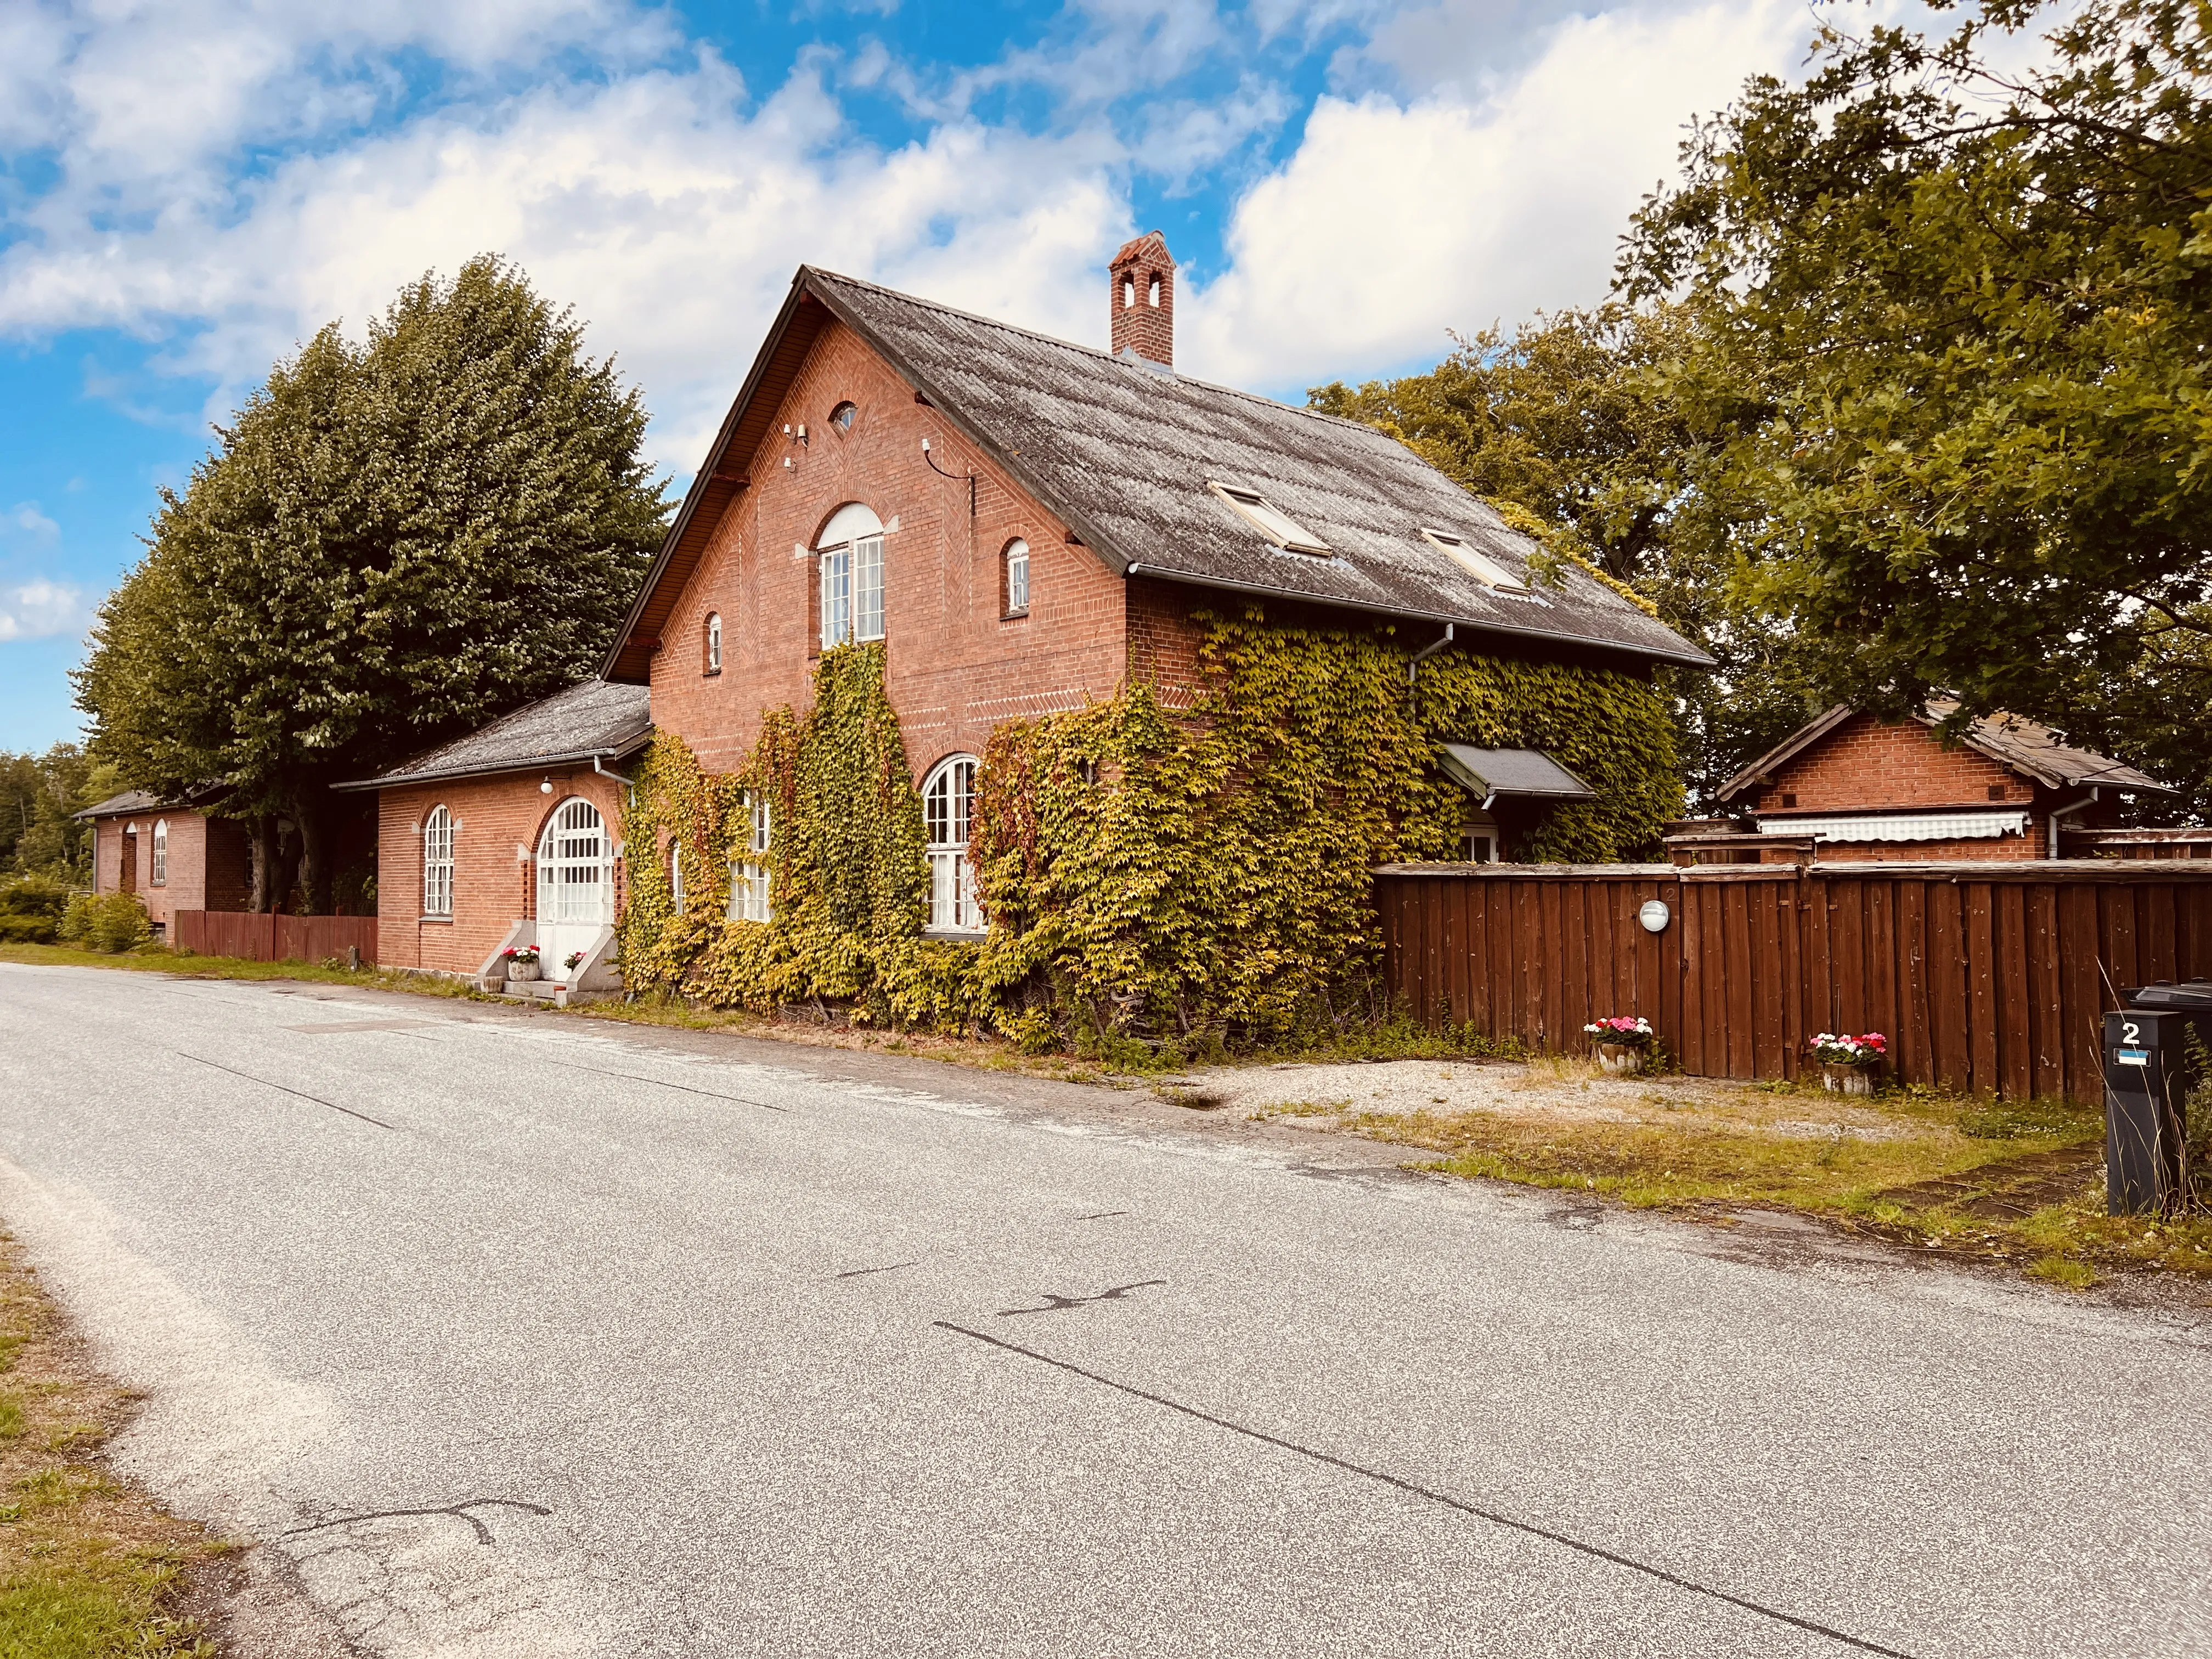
{"x": 631, "y": 783}
{"x": 1414, "y": 668}
{"x": 2065, "y": 811}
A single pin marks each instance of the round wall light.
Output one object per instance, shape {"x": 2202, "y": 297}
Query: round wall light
{"x": 1654, "y": 915}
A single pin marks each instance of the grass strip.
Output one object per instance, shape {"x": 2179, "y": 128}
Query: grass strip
{"x": 90, "y": 1567}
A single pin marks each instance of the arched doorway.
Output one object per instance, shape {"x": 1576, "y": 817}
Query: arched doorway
{"x": 575, "y": 884}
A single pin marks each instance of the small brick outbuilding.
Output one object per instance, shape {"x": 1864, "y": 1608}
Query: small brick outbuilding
{"x": 1849, "y": 786}
{"x": 174, "y": 855}
{"x": 510, "y": 836}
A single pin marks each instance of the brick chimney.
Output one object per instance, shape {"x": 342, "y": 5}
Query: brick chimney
{"x": 1144, "y": 299}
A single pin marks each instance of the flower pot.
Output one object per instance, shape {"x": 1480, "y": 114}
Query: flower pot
{"x": 1620, "y": 1059}
{"x": 522, "y": 970}
{"x": 1846, "y": 1080}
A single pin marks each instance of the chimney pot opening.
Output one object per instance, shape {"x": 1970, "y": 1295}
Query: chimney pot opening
{"x": 1128, "y": 293}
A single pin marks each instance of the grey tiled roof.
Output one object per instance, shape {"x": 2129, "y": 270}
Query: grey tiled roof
{"x": 592, "y": 717}
{"x": 1124, "y": 453}
{"x": 131, "y": 800}
{"x": 2043, "y": 753}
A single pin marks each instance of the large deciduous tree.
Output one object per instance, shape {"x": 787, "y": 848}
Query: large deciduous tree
{"x": 392, "y": 541}
{"x": 1952, "y": 349}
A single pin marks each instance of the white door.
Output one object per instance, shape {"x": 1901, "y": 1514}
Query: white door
{"x": 575, "y": 885}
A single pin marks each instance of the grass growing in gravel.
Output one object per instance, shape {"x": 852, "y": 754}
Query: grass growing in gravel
{"x": 157, "y": 959}
{"x": 89, "y": 1567}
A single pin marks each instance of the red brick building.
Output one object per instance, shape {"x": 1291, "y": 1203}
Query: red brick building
{"x": 1025, "y": 525}
{"x": 511, "y": 837}
{"x": 175, "y": 856}
{"x": 1848, "y": 786}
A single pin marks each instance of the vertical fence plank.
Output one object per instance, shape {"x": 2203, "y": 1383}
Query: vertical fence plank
{"x": 1981, "y": 987}
{"x": 2047, "y": 1038}
{"x": 2015, "y": 1061}
{"x": 1689, "y": 1041}
{"x": 1947, "y": 983}
{"x": 1882, "y": 1013}
{"x": 2080, "y": 992}
{"x": 1909, "y": 1046}
{"x": 1847, "y": 934}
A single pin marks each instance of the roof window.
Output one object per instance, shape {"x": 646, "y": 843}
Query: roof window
{"x": 1484, "y": 569}
{"x": 1284, "y": 531}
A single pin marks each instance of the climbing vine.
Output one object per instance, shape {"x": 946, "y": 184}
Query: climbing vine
{"x": 1197, "y": 875}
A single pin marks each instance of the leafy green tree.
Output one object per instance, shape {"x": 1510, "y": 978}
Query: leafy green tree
{"x": 38, "y": 793}
{"x": 1571, "y": 420}
{"x": 1948, "y": 350}
{"x": 394, "y": 542}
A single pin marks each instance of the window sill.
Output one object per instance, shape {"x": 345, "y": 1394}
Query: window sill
{"x": 710, "y": 673}
{"x": 957, "y": 935}
{"x": 446, "y": 920}
{"x": 1015, "y": 616}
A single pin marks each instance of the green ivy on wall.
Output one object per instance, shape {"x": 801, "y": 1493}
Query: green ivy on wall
{"x": 1147, "y": 873}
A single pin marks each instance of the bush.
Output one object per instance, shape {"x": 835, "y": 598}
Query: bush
{"x": 27, "y": 930}
{"x": 35, "y": 895}
{"x": 114, "y": 923}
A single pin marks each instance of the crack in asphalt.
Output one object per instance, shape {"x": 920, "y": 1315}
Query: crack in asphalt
{"x": 1429, "y": 1492}
{"x": 458, "y": 1511}
{"x": 637, "y": 1077}
{"x": 281, "y": 1089}
{"x": 858, "y": 1272}
{"x": 1054, "y": 1304}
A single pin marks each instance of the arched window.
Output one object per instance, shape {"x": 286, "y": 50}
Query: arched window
{"x": 1018, "y": 577}
{"x": 749, "y": 876}
{"x": 850, "y": 552}
{"x": 1156, "y": 290}
{"x": 676, "y": 877}
{"x": 1129, "y": 290}
{"x": 948, "y": 802}
{"x": 714, "y": 643}
{"x": 842, "y": 416}
{"x": 438, "y": 863}
{"x": 160, "y": 852}
{"x": 575, "y": 873}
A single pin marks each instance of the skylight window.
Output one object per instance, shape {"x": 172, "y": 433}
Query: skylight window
{"x": 1484, "y": 569}
{"x": 1284, "y": 531}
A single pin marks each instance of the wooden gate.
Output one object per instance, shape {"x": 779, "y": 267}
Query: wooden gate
{"x": 258, "y": 938}
{"x": 1984, "y": 976}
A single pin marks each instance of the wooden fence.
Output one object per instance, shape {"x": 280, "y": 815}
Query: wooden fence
{"x": 274, "y": 939}
{"x": 1988, "y": 977}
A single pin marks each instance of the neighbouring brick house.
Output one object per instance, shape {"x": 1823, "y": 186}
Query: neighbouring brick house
{"x": 510, "y": 836}
{"x": 1849, "y": 787}
{"x": 1026, "y": 525}
{"x": 174, "y": 855}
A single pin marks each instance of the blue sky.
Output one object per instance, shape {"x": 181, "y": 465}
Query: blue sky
{"x": 189, "y": 188}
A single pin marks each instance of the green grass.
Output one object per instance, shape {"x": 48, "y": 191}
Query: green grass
{"x": 89, "y": 1567}
{"x": 157, "y": 959}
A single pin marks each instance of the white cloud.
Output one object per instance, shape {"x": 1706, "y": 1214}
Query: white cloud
{"x": 25, "y": 517}
{"x": 1395, "y": 222}
{"x": 35, "y": 609}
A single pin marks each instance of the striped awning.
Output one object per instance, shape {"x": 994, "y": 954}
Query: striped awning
{"x": 1969, "y": 825}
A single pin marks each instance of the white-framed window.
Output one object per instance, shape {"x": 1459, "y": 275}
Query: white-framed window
{"x": 749, "y": 876}
{"x": 438, "y": 863}
{"x": 851, "y": 548}
{"x": 1480, "y": 566}
{"x": 160, "y": 852}
{"x": 1018, "y": 577}
{"x": 843, "y": 415}
{"x": 575, "y": 866}
{"x": 676, "y": 876}
{"x": 1279, "y": 527}
{"x": 714, "y": 643}
{"x": 948, "y": 804}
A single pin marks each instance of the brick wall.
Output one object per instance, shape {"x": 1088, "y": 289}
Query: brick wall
{"x": 207, "y": 864}
{"x": 956, "y": 664}
{"x": 493, "y": 887}
{"x": 1866, "y": 764}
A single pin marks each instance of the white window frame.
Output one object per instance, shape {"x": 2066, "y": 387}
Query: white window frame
{"x": 1480, "y": 566}
{"x": 438, "y": 863}
{"x": 1018, "y": 577}
{"x": 676, "y": 877}
{"x": 852, "y": 580}
{"x": 713, "y": 642}
{"x": 749, "y": 876}
{"x": 948, "y": 805}
{"x": 161, "y": 860}
{"x": 564, "y": 896}
{"x": 1279, "y": 527}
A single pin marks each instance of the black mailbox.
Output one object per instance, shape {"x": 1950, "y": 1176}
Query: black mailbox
{"x": 2150, "y": 1066}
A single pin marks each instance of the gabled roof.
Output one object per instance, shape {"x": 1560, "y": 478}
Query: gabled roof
{"x": 2034, "y": 752}
{"x": 1124, "y": 453}
{"x": 145, "y": 800}
{"x": 591, "y": 720}
{"x": 1525, "y": 773}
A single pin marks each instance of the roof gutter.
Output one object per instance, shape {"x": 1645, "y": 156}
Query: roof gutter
{"x": 1648, "y": 653}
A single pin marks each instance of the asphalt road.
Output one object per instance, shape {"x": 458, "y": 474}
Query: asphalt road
{"x": 523, "y": 1335}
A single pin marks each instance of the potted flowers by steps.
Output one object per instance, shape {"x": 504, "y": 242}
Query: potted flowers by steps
{"x": 1621, "y": 1041}
{"x": 1848, "y": 1063}
{"x": 521, "y": 961}
{"x": 568, "y": 965}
